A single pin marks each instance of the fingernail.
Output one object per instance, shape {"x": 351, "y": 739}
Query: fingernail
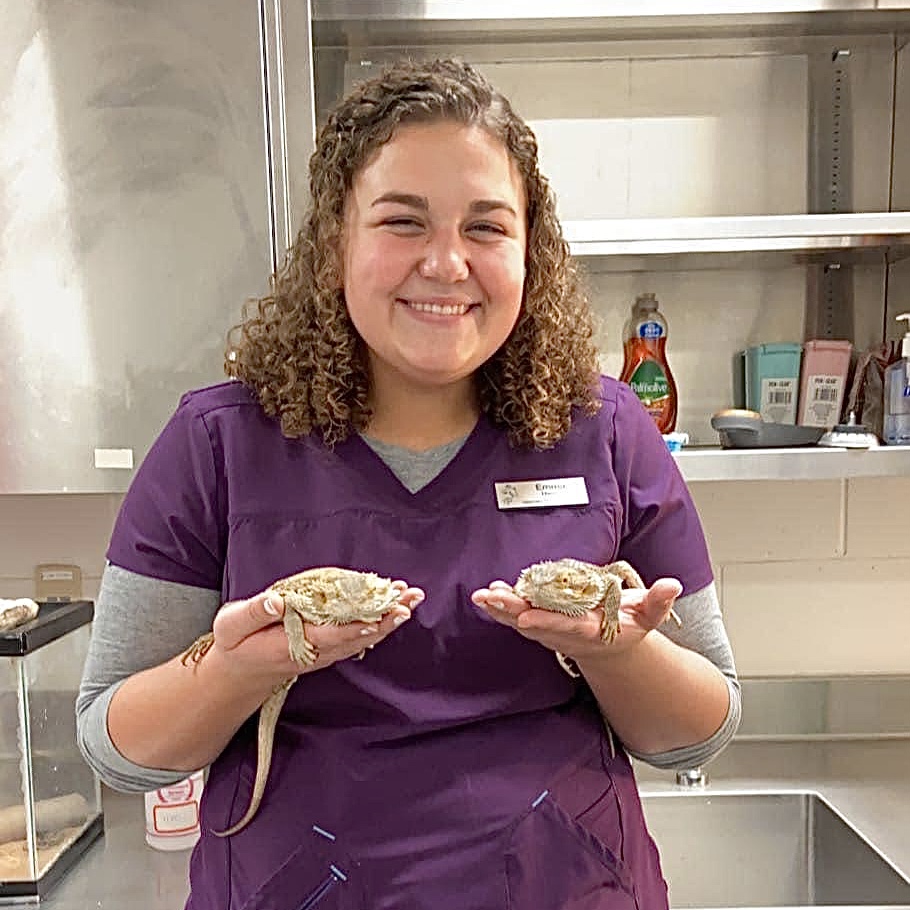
{"x": 369, "y": 630}
{"x": 400, "y": 618}
{"x": 417, "y": 599}
{"x": 269, "y": 606}
{"x": 497, "y": 604}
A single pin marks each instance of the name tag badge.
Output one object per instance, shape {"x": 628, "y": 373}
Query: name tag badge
{"x": 531, "y": 494}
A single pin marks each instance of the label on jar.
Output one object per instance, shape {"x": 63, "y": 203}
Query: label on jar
{"x": 778, "y": 400}
{"x": 174, "y": 810}
{"x": 823, "y": 400}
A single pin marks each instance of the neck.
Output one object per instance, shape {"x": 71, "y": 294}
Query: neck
{"x": 421, "y": 418}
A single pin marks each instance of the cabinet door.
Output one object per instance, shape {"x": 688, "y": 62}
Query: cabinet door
{"x": 134, "y": 221}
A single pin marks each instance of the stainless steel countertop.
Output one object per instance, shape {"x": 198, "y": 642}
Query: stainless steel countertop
{"x": 869, "y": 782}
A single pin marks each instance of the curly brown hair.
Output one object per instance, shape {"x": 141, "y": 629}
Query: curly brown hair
{"x": 299, "y": 351}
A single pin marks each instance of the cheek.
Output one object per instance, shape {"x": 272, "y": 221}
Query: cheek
{"x": 506, "y": 279}
{"x": 378, "y": 265}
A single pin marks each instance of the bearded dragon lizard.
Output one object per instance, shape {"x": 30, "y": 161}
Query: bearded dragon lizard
{"x": 573, "y": 587}
{"x": 323, "y": 596}
{"x": 16, "y": 612}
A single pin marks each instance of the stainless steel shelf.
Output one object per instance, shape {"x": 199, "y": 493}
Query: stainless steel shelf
{"x": 431, "y": 21}
{"x": 885, "y": 233}
{"x": 810, "y": 463}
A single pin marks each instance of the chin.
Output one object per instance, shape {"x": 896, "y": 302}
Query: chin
{"x": 431, "y": 374}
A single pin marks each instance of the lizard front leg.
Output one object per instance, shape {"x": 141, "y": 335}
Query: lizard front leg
{"x": 609, "y": 619}
{"x": 301, "y": 649}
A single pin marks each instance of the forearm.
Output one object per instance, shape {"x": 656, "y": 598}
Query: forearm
{"x": 204, "y": 705}
{"x": 658, "y": 696}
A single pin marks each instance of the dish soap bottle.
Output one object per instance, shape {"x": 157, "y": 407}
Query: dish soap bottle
{"x": 645, "y": 366}
{"x": 897, "y": 394}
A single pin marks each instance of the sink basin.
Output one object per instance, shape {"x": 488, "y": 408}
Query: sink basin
{"x": 767, "y": 849}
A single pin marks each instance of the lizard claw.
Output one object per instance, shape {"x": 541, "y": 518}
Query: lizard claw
{"x": 197, "y": 650}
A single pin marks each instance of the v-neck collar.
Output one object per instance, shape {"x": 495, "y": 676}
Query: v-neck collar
{"x": 455, "y": 483}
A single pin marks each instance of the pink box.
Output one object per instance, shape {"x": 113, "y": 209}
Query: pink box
{"x": 823, "y": 379}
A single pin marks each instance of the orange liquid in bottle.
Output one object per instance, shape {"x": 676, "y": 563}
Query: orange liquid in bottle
{"x": 645, "y": 368}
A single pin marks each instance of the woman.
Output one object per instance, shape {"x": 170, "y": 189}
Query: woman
{"x": 425, "y": 341}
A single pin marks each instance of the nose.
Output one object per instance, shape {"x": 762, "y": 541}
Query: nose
{"x": 445, "y": 258}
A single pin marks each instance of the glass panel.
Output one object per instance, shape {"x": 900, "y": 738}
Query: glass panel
{"x": 64, "y": 787}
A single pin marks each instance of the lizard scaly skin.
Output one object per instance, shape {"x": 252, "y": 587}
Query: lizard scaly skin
{"x": 572, "y": 587}
{"x": 323, "y": 596}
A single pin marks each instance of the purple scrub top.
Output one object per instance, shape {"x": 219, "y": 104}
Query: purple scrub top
{"x": 457, "y": 765}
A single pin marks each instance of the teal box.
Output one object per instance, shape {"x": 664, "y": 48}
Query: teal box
{"x": 772, "y": 380}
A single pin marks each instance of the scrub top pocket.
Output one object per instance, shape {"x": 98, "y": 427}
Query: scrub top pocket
{"x": 315, "y": 876}
{"x": 553, "y": 862}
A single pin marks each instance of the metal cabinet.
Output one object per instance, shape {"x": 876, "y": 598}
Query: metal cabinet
{"x": 134, "y": 221}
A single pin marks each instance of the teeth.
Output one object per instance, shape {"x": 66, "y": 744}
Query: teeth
{"x": 441, "y": 309}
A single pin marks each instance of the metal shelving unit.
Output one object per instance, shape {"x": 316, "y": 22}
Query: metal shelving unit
{"x": 541, "y": 30}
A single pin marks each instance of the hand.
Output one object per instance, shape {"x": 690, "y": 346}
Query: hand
{"x": 250, "y": 633}
{"x": 641, "y": 610}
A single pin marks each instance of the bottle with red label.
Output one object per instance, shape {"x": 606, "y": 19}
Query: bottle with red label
{"x": 645, "y": 368}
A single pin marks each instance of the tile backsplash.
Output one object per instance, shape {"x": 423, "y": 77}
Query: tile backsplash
{"x": 813, "y": 575}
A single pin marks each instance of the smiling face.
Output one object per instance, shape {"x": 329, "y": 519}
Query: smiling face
{"x": 434, "y": 253}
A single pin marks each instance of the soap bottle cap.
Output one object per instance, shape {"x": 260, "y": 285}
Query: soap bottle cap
{"x": 649, "y": 302}
{"x": 905, "y": 344}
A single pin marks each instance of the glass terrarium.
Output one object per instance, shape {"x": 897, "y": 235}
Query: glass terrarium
{"x": 50, "y": 800}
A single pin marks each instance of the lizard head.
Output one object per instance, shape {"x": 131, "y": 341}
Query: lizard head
{"x": 567, "y": 585}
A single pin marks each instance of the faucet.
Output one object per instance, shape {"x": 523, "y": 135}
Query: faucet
{"x": 691, "y": 777}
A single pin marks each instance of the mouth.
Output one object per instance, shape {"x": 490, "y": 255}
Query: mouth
{"x": 438, "y": 307}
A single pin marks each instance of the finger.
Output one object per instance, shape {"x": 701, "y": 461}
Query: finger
{"x": 411, "y": 597}
{"x": 239, "y": 619}
{"x": 391, "y": 621}
{"x": 499, "y": 603}
{"x": 548, "y": 621}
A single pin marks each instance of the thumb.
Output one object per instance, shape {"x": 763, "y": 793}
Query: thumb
{"x": 239, "y": 619}
{"x": 657, "y": 603}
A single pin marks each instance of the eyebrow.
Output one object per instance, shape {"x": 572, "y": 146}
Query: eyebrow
{"x": 478, "y": 206}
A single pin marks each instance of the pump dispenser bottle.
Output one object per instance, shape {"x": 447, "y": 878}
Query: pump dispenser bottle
{"x": 645, "y": 367}
{"x": 897, "y": 394}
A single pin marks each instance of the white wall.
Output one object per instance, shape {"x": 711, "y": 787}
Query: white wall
{"x": 813, "y": 576}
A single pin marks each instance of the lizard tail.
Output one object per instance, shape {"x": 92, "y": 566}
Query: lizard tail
{"x": 268, "y": 719}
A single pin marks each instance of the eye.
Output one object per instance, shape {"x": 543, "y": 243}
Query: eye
{"x": 486, "y": 227}
{"x": 403, "y": 224}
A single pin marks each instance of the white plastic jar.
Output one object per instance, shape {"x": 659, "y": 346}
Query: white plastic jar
{"x": 172, "y": 814}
